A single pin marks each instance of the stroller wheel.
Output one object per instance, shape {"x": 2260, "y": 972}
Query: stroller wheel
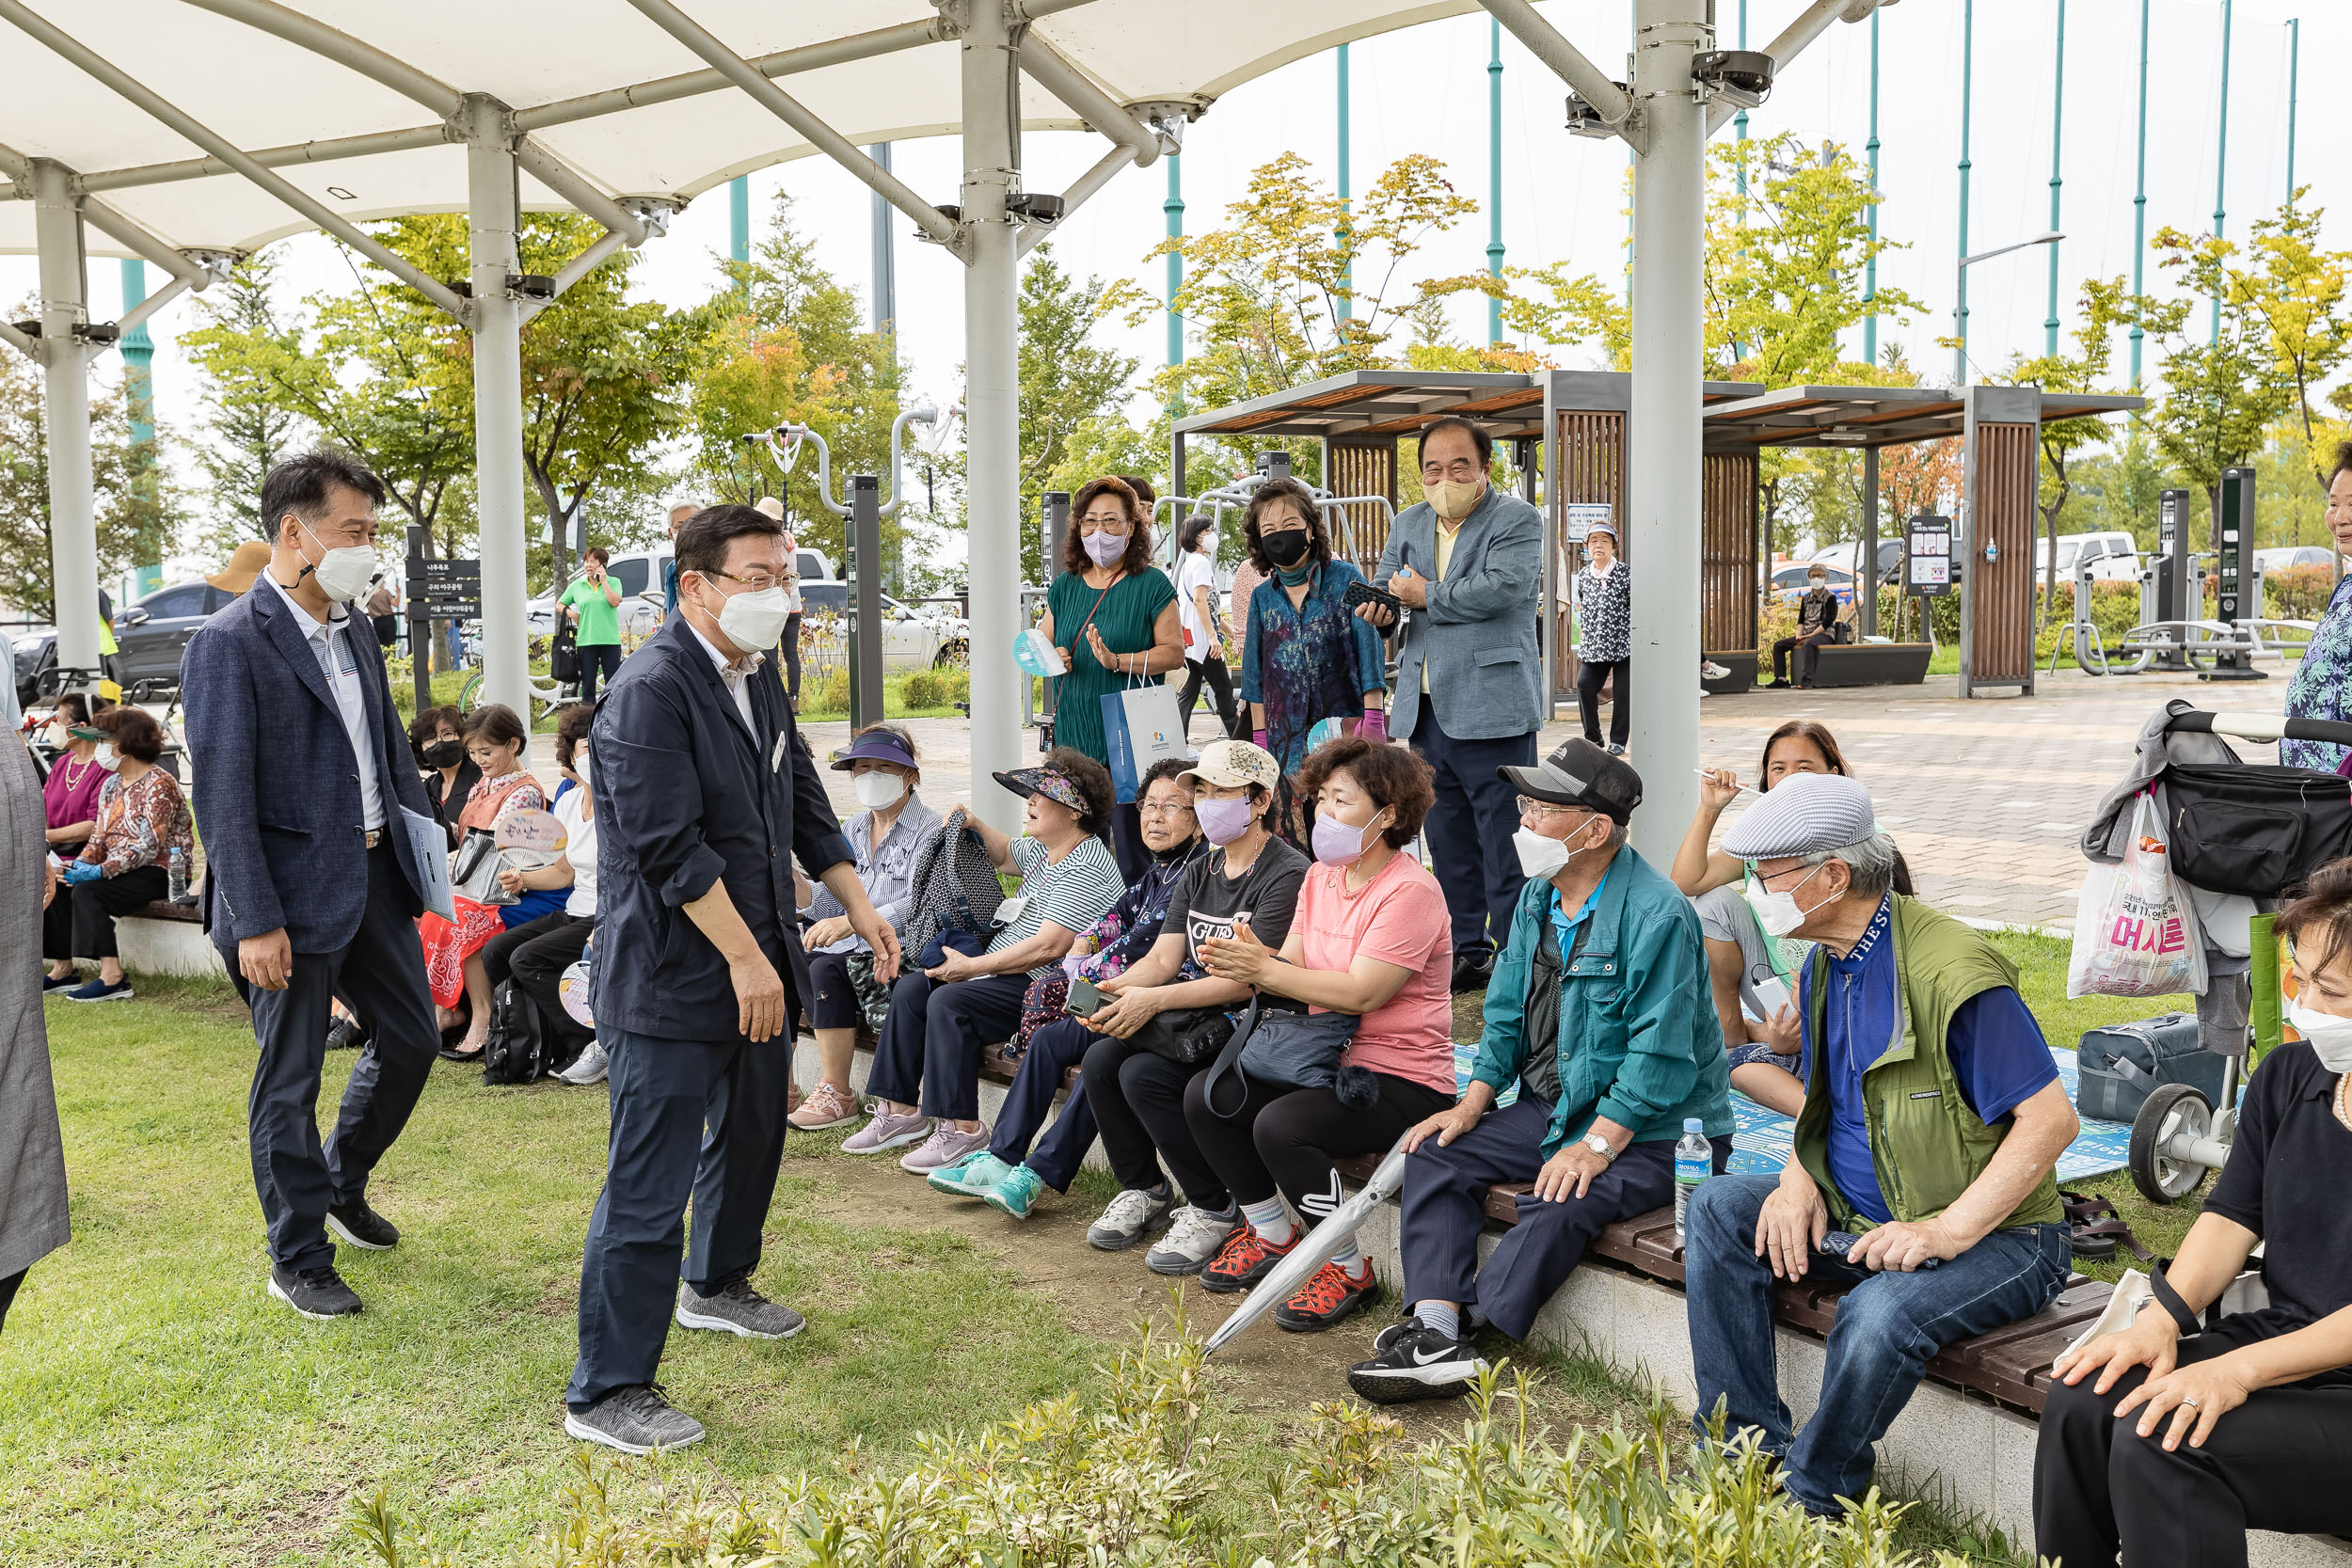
{"x": 2172, "y": 1111}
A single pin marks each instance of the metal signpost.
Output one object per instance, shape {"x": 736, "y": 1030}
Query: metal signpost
{"x": 1928, "y": 564}
{"x": 866, "y": 617}
{"x": 2178, "y": 595}
{"x": 437, "y": 591}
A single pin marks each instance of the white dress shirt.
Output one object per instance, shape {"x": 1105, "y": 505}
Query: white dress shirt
{"x": 330, "y": 640}
{"x": 737, "y": 681}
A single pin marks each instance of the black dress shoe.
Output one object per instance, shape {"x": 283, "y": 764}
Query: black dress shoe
{"x": 1473, "y": 973}
{"x": 346, "y": 1034}
{"x": 362, "y": 1226}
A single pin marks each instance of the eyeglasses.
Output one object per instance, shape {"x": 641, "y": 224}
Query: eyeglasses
{"x": 1173, "y": 808}
{"x": 1530, "y": 806}
{"x": 758, "y": 583}
{"x": 1091, "y": 523}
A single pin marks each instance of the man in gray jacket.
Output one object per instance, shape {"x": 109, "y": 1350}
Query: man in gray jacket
{"x": 1467, "y": 563}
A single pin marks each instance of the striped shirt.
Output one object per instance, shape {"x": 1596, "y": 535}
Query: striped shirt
{"x": 1073, "y": 894}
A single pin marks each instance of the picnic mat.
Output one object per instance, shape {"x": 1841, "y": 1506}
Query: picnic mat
{"x": 1760, "y": 1146}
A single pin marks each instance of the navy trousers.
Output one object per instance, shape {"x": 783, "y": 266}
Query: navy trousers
{"x": 1054, "y": 1050}
{"x": 1445, "y": 1188}
{"x": 1469, "y": 829}
{"x": 380, "y": 974}
{"x": 690, "y": 1117}
{"x": 929, "y": 1054}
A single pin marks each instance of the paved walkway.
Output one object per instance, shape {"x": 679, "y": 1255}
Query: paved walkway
{"x": 1986, "y": 797}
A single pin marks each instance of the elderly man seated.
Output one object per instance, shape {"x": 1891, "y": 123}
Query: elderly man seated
{"x": 1932, "y": 1120}
{"x": 1592, "y": 1011}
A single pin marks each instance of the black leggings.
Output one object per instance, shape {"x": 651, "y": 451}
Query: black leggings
{"x": 1139, "y": 1105}
{"x": 791, "y": 647}
{"x": 1220, "y": 683}
{"x": 1286, "y": 1139}
{"x": 1589, "y": 677}
{"x": 597, "y": 659}
{"x": 535, "y": 955}
{"x": 80, "y": 921}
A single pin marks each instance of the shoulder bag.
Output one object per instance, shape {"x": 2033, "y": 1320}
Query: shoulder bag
{"x": 1287, "y": 1051}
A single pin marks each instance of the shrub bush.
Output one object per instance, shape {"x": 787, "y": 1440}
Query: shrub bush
{"x": 936, "y": 688}
{"x": 824, "y": 693}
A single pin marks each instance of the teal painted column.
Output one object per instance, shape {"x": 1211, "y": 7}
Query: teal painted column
{"x": 1740, "y": 121}
{"x": 138, "y": 388}
{"x": 1347, "y": 272}
{"x": 1175, "y": 208}
{"x": 1959, "y": 272}
{"x": 2058, "y": 122}
{"x": 1494, "y": 175}
{"x": 1870, "y": 268}
{"x": 2221, "y": 159}
{"x": 2140, "y": 195}
{"x": 2295, "y": 63}
{"x": 739, "y": 217}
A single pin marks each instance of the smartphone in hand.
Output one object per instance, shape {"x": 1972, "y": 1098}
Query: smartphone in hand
{"x": 1086, "y": 999}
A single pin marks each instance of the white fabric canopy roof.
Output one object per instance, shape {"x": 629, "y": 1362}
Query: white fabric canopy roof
{"x": 262, "y": 92}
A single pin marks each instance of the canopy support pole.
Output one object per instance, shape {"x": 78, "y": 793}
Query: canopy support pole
{"x": 65, "y": 408}
{"x": 491, "y": 215}
{"x": 991, "y": 405}
{"x": 1663, "y": 467}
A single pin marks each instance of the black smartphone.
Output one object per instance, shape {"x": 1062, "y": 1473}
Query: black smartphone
{"x": 1086, "y": 999}
{"x": 1836, "y": 1244}
{"x": 1364, "y": 592}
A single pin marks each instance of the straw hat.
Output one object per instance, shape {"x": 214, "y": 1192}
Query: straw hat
{"x": 243, "y": 567}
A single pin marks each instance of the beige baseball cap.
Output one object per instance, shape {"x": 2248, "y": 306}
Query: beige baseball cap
{"x": 1231, "y": 764}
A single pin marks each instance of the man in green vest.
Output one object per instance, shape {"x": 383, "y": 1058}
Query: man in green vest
{"x": 1933, "y": 1118}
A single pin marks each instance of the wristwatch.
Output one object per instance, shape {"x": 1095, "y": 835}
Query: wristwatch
{"x": 1600, "y": 1146}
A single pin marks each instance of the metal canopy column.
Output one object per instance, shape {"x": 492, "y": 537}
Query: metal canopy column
{"x": 496, "y": 318}
{"x": 1664, "y": 466}
{"x": 991, "y": 404}
{"x": 65, "y": 408}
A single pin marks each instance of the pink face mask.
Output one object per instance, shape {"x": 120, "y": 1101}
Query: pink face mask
{"x": 1223, "y": 821}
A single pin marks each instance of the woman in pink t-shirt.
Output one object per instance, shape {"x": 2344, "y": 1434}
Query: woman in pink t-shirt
{"x": 1373, "y": 938}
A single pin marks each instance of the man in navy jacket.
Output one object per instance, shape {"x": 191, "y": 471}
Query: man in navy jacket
{"x": 704, "y": 791}
{"x": 310, "y": 888}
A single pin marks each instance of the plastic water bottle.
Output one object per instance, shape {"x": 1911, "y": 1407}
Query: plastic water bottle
{"x": 1694, "y": 1162}
{"x": 179, "y": 875}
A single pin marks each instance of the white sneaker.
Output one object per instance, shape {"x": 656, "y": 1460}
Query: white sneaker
{"x": 1128, "y": 1219}
{"x": 944, "y": 1147}
{"x": 1714, "y": 670}
{"x": 1194, "y": 1237}
{"x": 590, "y": 1068}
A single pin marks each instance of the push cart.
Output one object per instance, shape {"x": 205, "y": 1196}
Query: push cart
{"x": 2180, "y": 1137}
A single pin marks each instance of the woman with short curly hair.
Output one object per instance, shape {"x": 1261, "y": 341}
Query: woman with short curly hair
{"x": 1306, "y": 656}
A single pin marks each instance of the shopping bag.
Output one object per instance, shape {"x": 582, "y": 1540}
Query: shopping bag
{"x": 2133, "y": 932}
{"x": 1140, "y": 725}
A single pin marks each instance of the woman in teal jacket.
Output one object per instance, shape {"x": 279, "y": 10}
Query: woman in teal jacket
{"x": 1598, "y": 1011}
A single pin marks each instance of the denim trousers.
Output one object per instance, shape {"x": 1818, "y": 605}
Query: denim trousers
{"x": 1888, "y": 1327}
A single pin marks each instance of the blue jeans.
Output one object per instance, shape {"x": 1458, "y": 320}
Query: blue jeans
{"x": 1888, "y": 1327}
{"x": 1054, "y": 1050}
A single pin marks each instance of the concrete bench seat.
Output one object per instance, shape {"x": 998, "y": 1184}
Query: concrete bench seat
{"x": 1871, "y": 663}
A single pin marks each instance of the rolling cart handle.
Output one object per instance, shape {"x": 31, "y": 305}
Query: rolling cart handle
{"x": 2263, "y": 727}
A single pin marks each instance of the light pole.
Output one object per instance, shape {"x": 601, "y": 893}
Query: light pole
{"x": 1960, "y": 293}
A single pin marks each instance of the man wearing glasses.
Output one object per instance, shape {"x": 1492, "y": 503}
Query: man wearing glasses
{"x": 1591, "y": 1016}
{"x": 1467, "y": 562}
{"x": 704, "y": 791}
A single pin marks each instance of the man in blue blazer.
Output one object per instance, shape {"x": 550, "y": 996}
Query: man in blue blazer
{"x": 1468, "y": 563}
{"x": 310, "y": 890}
{"x": 705, "y": 792}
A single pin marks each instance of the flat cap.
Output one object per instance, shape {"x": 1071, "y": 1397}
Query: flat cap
{"x": 1803, "y": 815}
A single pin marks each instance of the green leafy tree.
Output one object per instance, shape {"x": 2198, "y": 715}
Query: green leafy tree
{"x": 2298, "y": 291}
{"x": 248, "y": 432}
{"x": 1073, "y": 395}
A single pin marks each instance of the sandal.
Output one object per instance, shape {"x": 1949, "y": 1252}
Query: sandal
{"x": 2096, "y": 1231}
{"x": 450, "y": 1054}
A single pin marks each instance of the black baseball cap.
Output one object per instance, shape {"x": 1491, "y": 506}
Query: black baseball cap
{"x": 1579, "y": 773}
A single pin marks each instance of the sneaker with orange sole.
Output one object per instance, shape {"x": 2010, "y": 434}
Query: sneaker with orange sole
{"x": 1329, "y": 1294}
{"x": 1243, "y": 1260}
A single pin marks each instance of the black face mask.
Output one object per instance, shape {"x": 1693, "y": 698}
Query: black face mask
{"x": 445, "y": 754}
{"x": 1176, "y": 851}
{"x": 1286, "y": 549}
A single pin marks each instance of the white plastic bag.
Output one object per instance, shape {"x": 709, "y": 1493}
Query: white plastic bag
{"x": 2133, "y": 932}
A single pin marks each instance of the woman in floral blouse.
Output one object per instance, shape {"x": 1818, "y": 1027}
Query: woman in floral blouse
{"x": 1306, "y": 656}
{"x": 126, "y": 866}
{"x": 1604, "y": 636}
{"x": 2322, "y": 687}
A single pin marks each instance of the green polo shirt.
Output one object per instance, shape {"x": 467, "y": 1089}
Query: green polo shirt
{"x": 599, "y": 620}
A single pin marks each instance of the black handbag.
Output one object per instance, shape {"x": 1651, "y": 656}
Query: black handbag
{"x": 1290, "y": 1050}
{"x": 1186, "y": 1036}
{"x": 2254, "y": 828}
{"x": 564, "y": 656}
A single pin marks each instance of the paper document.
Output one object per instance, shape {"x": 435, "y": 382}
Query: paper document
{"x": 427, "y": 847}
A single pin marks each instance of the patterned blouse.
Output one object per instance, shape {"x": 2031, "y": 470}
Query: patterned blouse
{"x": 1604, "y": 614}
{"x": 1311, "y": 662}
{"x": 2322, "y": 687}
{"x": 140, "y": 822}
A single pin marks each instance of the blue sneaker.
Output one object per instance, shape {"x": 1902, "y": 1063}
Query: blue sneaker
{"x": 1015, "y": 1192}
{"x": 98, "y": 991}
{"x": 970, "y": 1177}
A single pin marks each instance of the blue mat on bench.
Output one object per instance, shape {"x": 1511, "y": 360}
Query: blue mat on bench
{"x": 1760, "y": 1146}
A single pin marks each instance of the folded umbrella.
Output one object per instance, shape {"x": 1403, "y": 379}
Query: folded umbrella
{"x": 1315, "y": 1249}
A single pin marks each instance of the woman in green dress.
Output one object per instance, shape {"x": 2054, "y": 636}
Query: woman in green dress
{"x": 1113, "y": 618}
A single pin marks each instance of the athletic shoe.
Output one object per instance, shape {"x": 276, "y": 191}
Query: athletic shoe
{"x": 944, "y": 1147}
{"x": 636, "y": 1419}
{"x": 1714, "y": 670}
{"x": 318, "y": 1292}
{"x": 1193, "y": 1236}
{"x": 1616, "y": 750}
{"x": 737, "y": 1308}
{"x": 1420, "y": 1363}
{"x": 1329, "y": 1296}
{"x": 362, "y": 1226}
{"x": 970, "y": 1177}
{"x": 1129, "y": 1219}
{"x": 346, "y": 1034}
{"x": 98, "y": 991}
{"x": 590, "y": 1066}
{"x": 826, "y": 1106}
{"x": 49, "y": 983}
{"x": 1247, "y": 1257}
{"x": 1016, "y": 1192}
{"x": 886, "y": 1132}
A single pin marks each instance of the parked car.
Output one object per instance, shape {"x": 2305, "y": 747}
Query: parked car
{"x": 914, "y": 637}
{"x": 35, "y": 647}
{"x": 638, "y": 575}
{"x": 1890, "y": 558}
{"x": 2111, "y": 556}
{"x": 2283, "y": 558}
{"x": 1790, "y": 581}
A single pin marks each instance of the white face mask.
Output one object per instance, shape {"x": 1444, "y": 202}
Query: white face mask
{"x": 1208, "y": 544}
{"x": 755, "y": 622}
{"x": 1541, "y": 859}
{"x": 2329, "y": 1037}
{"x": 876, "y": 791}
{"x": 344, "y": 574}
{"x": 57, "y": 736}
{"x": 1777, "y": 913}
{"x": 580, "y": 766}
{"x": 107, "y": 758}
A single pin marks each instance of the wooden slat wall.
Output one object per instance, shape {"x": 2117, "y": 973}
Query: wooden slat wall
{"x": 1727, "y": 552}
{"x": 1591, "y": 453}
{"x": 1361, "y": 468}
{"x": 2002, "y": 591}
